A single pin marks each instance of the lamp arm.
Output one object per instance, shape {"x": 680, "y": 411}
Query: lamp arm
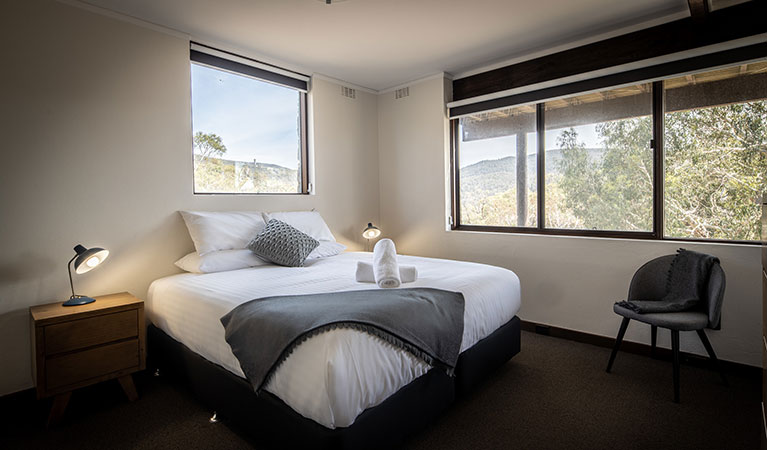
{"x": 69, "y": 269}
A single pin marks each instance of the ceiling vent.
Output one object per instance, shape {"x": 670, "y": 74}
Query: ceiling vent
{"x": 402, "y": 93}
{"x": 348, "y": 92}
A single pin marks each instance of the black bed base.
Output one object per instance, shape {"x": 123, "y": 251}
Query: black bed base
{"x": 271, "y": 422}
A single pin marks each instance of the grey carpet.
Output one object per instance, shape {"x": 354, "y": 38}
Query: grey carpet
{"x": 553, "y": 395}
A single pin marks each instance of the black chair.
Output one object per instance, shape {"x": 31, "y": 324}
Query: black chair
{"x": 648, "y": 283}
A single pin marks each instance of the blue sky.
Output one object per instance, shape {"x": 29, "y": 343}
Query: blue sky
{"x": 254, "y": 119}
{"x": 496, "y": 148}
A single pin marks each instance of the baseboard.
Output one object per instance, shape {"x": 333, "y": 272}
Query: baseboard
{"x": 25, "y": 395}
{"x": 637, "y": 348}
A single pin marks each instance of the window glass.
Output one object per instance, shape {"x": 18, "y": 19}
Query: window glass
{"x": 498, "y": 168}
{"x": 599, "y": 162}
{"x": 246, "y": 134}
{"x": 715, "y": 136}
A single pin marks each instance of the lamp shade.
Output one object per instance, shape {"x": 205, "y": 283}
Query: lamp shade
{"x": 88, "y": 258}
{"x": 371, "y": 231}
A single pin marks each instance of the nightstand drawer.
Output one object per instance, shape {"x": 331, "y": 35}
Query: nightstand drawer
{"x": 80, "y": 366}
{"x": 81, "y": 333}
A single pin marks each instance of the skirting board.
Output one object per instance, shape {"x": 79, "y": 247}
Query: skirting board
{"x": 637, "y": 348}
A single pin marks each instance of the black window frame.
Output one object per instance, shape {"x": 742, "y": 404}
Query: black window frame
{"x": 668, "y": 70}
{"x": 259, "y": 71}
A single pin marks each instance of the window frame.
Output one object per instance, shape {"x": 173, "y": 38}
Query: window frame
{"x": 206, "y": 56}
{"x": 656, "y": 144}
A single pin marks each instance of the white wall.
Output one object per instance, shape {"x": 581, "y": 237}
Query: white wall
{"x": 568, "y": 282}
{"x": 95, "y": 121}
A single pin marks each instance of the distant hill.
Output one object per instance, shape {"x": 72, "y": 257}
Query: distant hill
{"x": 251, "y": 177}
{"x": 494, "y": 176}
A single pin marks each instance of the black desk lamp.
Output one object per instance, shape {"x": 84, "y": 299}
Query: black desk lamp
{"x": 370, "y": 232}
{"x": 85, "y": 259}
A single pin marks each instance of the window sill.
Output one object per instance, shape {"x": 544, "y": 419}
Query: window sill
{"x": 588, "y": 234}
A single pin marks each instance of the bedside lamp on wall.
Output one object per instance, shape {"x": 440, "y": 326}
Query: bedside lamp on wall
{"x": 370, "y": 232}
{"x": 85, "y": 259}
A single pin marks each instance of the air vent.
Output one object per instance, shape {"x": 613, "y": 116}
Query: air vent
{"x": 402, "y": 93}
{"x": 348, "y": 92}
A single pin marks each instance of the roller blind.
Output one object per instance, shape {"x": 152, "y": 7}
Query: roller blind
{"x": 209, "y": 56}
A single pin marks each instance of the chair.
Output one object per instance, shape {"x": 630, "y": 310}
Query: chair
{"x": 648, "y": 283}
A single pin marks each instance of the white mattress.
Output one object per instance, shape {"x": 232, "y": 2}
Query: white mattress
{"x": 333, "y": 377}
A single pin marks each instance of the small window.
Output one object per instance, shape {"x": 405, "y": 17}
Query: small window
{"x": 498, "y": 168}
{"x": 249, "y": 132}
{"x": 715, "y": 133}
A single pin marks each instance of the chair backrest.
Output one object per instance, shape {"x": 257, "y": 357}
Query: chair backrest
{"x": 649, "y": 283}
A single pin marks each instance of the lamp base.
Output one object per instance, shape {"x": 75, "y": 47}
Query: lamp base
{"x": 77, "y": 300}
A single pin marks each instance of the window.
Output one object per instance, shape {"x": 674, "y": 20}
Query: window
{"x": 248, "y": 127}
{"x": 682, "y": 158}
{"x": 599, "y": 160}
{"x": 499, "y": 168}
{"x": 715, "y": 130}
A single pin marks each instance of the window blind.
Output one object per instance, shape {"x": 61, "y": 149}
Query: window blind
{"x": 209, "y": 56}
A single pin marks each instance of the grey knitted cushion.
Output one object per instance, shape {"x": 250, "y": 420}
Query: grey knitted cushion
{"x": 282, "y": 244}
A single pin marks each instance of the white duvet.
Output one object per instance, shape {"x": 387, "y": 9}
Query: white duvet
{"x": 333, "y": 377}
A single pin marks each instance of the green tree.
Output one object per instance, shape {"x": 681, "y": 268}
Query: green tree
{"x": 715, "y": 169}
{"x": 612, "y": 191}
{"x": 210, "y": 173}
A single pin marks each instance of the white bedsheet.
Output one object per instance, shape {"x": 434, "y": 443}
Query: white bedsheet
{"x": 333, "y": 377}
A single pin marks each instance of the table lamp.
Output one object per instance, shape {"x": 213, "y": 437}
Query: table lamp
{"x": 85, "y": 260}
{"x": 370, "y": 232}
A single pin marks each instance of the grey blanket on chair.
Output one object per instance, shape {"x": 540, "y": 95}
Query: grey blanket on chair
{"x": 426, "y": 322}
{"x": 687, "y": 281}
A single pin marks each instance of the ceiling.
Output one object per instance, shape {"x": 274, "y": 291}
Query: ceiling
{"x": 379, "y": 44}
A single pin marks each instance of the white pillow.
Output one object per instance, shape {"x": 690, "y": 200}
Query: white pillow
{"x": 326, "y": 249}
{"x": 219, "y": 261}
{"x": 211, "y": 231}
{"x": 309, "y": 222}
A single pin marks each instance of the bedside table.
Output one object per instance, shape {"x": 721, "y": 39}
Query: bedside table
{"x": 76, "y": 346}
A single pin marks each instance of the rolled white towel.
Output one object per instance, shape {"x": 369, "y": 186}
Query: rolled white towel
{"x": 407, "y": 274}
{"x": 385, "y": 268}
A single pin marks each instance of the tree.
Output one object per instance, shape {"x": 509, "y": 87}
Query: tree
{"x": 208, "y": 145}
{"x": 611, "y": 190}
{"x": 715, "y": 169}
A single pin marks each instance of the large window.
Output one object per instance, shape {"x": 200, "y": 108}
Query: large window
{"x": 682, "y": 158}
{"x": 248, "y": 130}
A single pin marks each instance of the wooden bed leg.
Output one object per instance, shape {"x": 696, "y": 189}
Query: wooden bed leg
{"x": 57, "y": 409}
{"x": 130, "y": 389}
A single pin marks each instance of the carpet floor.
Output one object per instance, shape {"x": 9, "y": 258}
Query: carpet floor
{"x": 555, "y": 394}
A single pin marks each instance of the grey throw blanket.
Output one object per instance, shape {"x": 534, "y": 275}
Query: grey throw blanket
{"x": 687, "y": 281}
{"x": 425, "y": 322}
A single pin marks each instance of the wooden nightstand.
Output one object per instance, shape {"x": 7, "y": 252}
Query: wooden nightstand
{"x": 76, "y": 346}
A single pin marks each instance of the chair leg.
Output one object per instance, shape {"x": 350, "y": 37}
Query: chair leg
{"x": 654, "y": 339}
{"x": 675, "y": 349}
{"x": 712, "y": 355}
{"x": 618, "y": 340}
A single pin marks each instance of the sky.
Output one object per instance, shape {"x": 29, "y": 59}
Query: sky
{"x": 255, "y": 120}
{"x": 496, "y": 148}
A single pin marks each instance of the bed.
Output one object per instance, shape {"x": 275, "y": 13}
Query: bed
{"x": 342, "y": 388}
